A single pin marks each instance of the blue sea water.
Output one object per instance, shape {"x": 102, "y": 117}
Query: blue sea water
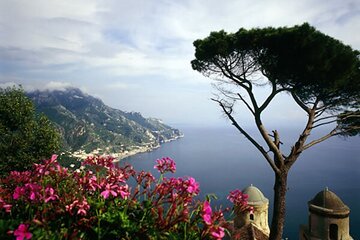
{"x": 221, "y": 160}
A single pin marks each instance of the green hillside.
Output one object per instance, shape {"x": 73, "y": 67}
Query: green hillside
{"x": 86, "y": 123}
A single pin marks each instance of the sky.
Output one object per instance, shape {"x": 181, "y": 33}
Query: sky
{"x": 135, "y": 55}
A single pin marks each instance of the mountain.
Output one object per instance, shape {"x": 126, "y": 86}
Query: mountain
{"x": 87, "y": 124}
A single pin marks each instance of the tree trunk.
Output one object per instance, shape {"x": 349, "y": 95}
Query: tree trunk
{"x": 278, "y": 218}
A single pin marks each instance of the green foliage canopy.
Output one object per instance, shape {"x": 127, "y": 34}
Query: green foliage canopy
{"x": 321, "y": 74}
{"x": 25, "y": 136}
{"x": 310, "y": 65}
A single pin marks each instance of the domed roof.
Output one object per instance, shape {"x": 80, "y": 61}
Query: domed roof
{"x": 255, "y": 196}
{"x": 328, "y": 202}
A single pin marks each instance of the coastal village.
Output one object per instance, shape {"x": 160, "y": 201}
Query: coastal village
{"x": 126, "y": 152}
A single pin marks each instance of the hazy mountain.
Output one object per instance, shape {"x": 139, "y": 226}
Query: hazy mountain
{"x": 86, "y": 123}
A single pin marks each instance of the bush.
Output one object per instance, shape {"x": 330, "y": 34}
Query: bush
{"x": 52, "y": 202}
{"x": 25, "y": 137}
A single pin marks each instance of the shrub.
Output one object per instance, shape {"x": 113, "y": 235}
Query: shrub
{"x": 25, "y": 136}
{"x": 97, "y": 202}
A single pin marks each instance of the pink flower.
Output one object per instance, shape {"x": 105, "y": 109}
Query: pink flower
{"x": 109, "y": 189}
{"x": 19, "y": 191}
{"x": 43, "y": 169}
{"x": 32, "y": 196}
{"x": 93, "y": 183}
{"x": 50, "y": 193}
{"x": 238, "y": 198}
{"x": 206, "y": 213}
{"x": 124, "y": 191}
{"x": 34, "y": 190}
{"x": 145, "y": 178}
{"x": 99, "y": 161}
{"x": 165, "y": 165}
{"x": 115, "y": 175}
{"x": 53, "y": 158}
{"x": 115, "y": 190}
{"x": 19, "y": 177}
{"x": 82, "y": 207}
{"x": 22, "y": 232}
{"x": 6, "y": 206}
{"x": 192, "y": 186}
{"x": 217, "y": 233}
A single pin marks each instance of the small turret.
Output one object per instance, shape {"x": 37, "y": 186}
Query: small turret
{"x": 328, "y": 218}
{"x": 259, "y": 216}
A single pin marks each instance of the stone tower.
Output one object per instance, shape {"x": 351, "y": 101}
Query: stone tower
{"x": 259, "y": 216}
{"x": 328, "y": 218}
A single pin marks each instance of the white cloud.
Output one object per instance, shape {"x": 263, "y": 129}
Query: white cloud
{"x": 41, "y": 24}
{"x": 8, "y": 84}
{"x": 38, "y": 85}
{"x": 57, "y": 86}
{"x": 94, "y": 43}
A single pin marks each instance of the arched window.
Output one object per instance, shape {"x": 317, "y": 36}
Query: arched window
{"x": 333, "y": 231}
{"x": 252, "y": 217}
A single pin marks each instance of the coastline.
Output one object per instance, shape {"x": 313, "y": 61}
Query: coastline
{"x": 120, "y": 156}
{"x": 127, "y": 153}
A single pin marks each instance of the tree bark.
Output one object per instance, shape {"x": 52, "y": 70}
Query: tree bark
{"x": 279, "y": 206}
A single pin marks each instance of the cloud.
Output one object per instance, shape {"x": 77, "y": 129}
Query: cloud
{"x": 57, "y": 86}
{"x": 140, "y": 37}
{"x": 8, "y": 84}
{"x": 131, "y": 44}
{"x": 61, "y": 86}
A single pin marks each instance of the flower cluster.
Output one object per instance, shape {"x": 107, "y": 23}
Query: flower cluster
{"x": 99, "y": 161}
{"x": 209, "y": 217}
{"x": 32, "y": 191}
{"x": 239, "y": 200}
{"x": 207, "y": 212}
{"x": 22, "y": 232}
{"x": 99, "y": 202}
{"x": 164, "y": 165}
{"x": 82, "y": 206}
{"x": 237, "y": 197}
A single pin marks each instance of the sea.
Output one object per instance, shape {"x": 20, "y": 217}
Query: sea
{"x": 221, "y": 160}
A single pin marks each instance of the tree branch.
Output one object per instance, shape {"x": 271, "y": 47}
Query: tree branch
{"x": 299, "y": 102}
{"x": 320, "y": 111}
{"x": 348, "y": 115}
{"x": 233, "y": 78}
{"x": 274, "y": 92}
{"x": 246, "y": 103}
{"x": 238, "y": 80}
{"x": 225, "y": 92}
{"x": 299, "y": 145}
{"x": 252, "y": 140}
{"x": 271, "y": 144}
{"x": 276, "y": 138}
{"x": 325, "y": 123}
{"x": 323, "y": 118}
{"x": 319, "y": 140}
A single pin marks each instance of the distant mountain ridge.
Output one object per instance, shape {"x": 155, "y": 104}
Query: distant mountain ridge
{"x": 87, "y": 124}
